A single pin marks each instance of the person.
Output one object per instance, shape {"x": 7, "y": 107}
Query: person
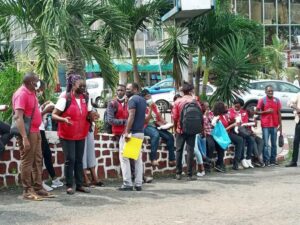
{"x": 236, "y": 113}
{"x": 182, "y": 138}
{"x": 72, "y": 112}
{"x": 297, "y": 81}
{"x": 269, "y": 108}
{"x": 25, "y": 103}
{"x": 4, "y": 131}
{"x": 221, "y": 112}
{"x": 199, "y": 141}
{"x": 134, "y": 128}
{"x": 46, "y": 108}
{"x": 295, "y": 104}
{"x": 154, "y": 120}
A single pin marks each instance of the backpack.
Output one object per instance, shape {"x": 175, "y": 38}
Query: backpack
{"x": 107, "y": 127}
{"x": 191, "y": 118}
{"x": 265, "y": 101}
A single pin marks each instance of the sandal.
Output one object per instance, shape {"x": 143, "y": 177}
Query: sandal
{"x": 70, "y": 191}
{"x": 83, "y": 190}
{"x": 44, "y": 194}
{"x": 99, "y": 184}
{"x": 32, "y": 197}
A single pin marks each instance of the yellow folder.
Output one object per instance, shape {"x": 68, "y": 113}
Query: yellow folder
{"x": 132, "y": 148}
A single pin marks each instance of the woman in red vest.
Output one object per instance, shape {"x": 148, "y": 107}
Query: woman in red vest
{"x": 72, "y": 111}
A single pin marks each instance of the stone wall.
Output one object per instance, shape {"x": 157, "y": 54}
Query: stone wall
{"x": 107, "y": 155}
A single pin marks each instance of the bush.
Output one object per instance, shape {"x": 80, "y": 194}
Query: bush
{"x": 10, "y": 81}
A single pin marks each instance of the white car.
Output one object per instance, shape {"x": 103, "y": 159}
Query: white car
{"x": 284, "y": 91}
{"x": 97, "y": 92}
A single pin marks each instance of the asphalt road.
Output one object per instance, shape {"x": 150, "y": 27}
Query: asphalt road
{"x": 254, "y": 196}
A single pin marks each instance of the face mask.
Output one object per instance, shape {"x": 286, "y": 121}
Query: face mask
{"x": 149, "y": 101}
{"x": 37, "y": 85}
{"x": 121, "y": 99}
{"x": 129, "y": 94}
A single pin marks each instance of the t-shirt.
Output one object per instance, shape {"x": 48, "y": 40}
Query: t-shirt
{"x": 62, "y": 101}
{"x": 139, "y": 104}
{"x": 271, "y": 119}
{"x": 26, "y": 100}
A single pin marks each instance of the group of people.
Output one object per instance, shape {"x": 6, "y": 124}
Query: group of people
{"x": 133, "y": 114}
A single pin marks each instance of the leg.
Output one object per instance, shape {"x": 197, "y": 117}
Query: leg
{"x": 190, "y": 145}
{"x": 220, "y": 152}
{"x": 78, "y": 167}
{"x": 273, "y": 131}
{"x": 296, "y": 143}
{"x": 239, "y": 147}
{"x": 47, "y": 155}
{"x": 266, "y": 134}
{"x": 250, "y": 145}
{"x": 125, "y": 165}
{"x": 210, "y": 146}
{"x": 69, "y": 155}
{"x": 37, "y": 169}
{"x": 152, "y": 132}
{"x": 197, "y": 152}
{"x": 5, "y": 133}
{"x": 166, "y": 135}
{"x": 180, "y": 140}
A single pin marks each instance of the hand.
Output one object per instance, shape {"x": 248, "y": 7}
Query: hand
{"x": 127, "y": 136}
{"x": 49, "y": 109}
{"x": 67, "y": 120}
{"x": 26, "y": 143}
{"x": 270, "y": 111}
{"x": 280, "y": 129}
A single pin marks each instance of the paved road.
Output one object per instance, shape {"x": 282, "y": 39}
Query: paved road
{"x": 254, "y": 196}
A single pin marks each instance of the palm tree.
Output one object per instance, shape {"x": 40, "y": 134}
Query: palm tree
{"x": 139, "y": 16}
{"x": 65, "y": 28}
{"x": 235, "y": 64}
{"x": 173, "y": 50}
{"x": 6, "y": 50}
{"x": 274, "y": 55}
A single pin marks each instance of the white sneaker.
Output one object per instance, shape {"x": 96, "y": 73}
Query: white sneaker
{"x": 200, "y": 174}
{"x": 245, "y": 164}
{"x": 249, "y": 163}
{"x": 57, "y": 183}
{"x": 46, "y": 187}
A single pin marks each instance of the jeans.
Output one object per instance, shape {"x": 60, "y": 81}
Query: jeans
{"x": 5, "y": 135}
{"x": 296, "y": 143}
{"x": 47, "y": 155}
{"x": 211, "y": 146}
{"x": 258, "y": 148}
{"x": 154, "y": 135}
{"x": 181, "y": 139}
{"x": 249, "y": 141}
{"x": 267, "y": 133}
{"x": 73, "y": 151}
{"x": 239, "y": 146}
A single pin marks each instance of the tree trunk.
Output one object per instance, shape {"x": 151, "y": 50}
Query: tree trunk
{"x": 190, "y": 69}
{"x": 75, "y": 63}
{"x": 177, "y": 75}
{"x": 136, "y": 77}
{"x": 205, "y": 80}
{"x": 198, "y": 73}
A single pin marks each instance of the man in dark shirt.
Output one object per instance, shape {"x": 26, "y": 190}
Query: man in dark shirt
{"x": 134, "y": 128}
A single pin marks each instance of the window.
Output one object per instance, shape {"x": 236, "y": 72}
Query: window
{"x": 242, "y": 7}
{"x": 295, "y": 11}
{"x": 208, "y": 89}
{"x": 295, "y": 37}
{"x": 270, "y": 31}
{"x": 284, "y": 87}
{"x": 168, "y": 84}
{"x": 256, "y": 10}
{"x": 262, "y": 85}
{"x": 270, "y": 12}
{"x": 283, "y": 11}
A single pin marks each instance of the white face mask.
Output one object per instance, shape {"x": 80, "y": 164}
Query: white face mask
{"x": 149, "y": 101}
{"x": 122, "y": 99}
{"x": 38, "y": 85}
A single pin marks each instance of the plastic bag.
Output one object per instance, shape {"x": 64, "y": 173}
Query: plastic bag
{"x": 220, "y": 135}
{"x": 201, "y": 145}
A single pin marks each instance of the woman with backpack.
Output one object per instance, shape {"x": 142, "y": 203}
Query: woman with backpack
{"x": 72, "y": 111}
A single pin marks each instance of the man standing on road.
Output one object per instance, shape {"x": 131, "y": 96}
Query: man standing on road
{"x": 25, "y": 103}
{"x": 269, "y": 108}
{"x": 295, "y": 104}
{"x": 134, "y": 128}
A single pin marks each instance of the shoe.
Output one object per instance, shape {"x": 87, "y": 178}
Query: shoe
{"x": 291, "y": 164}
{"x": 98, "y": 184}
{"x": 244, "y": 163}
{"x": 178, "y": 177}
{"x": 44, "y": 194}
{"x": 248, "y": 161}
{"x": 138, "y": 188}
{"x": 46, "y": 187}
{"x": 83, "y": 190}
{"x": 274, "y": 163}
{"x": 70, "y": 191}
{"x": 191, "y": 178}
{"x": 267, "y": 163}
{"x": 220, "y": 168}
{"x": 200, "y": 174}
{"x": 125, "y": 188}
{"x": 57, "y": 183}
{"x": 172, "y": 163}
{"x": 147, "y": 179}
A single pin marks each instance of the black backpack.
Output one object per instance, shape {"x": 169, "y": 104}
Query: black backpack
{"x": 191, "y": 118}
{"x": 107, "y": 127}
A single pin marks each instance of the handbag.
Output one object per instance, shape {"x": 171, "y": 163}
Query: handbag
{"x": 244, "y": 131}
{"x": 27, "y": 124}
{"x": 220, "y": 135}
{"x": 280, "y": 141}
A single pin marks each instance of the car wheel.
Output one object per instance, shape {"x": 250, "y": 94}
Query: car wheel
{"x": 100, "y": 102}
{"x": 162, "y": 105}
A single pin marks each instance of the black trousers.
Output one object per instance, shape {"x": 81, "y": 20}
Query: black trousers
{"x": 211, "y": 146}
{"x": 5, "y": 135}
{"x": 181, "y": 139}
{"x": 73, "y": 151}
{"x": 239, "y": 146}
{"x": 47, "y": 155}
{"x": 296, "y": 143}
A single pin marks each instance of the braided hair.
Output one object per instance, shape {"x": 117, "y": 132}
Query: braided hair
{"x": 72, "y": 80}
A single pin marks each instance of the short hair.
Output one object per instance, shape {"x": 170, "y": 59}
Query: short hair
{"x": 176, "y": 97}
{"x": 219, "y": 108}
{"x": 187, "y": 88}
{"x": 145, "y": 92}
{"x": 268, "y": 86}
{"x": 122, "y": 85}
{"x": 28, "y": 77}
{"x": 135, "y": 86}
{"x": 238, "y": 101}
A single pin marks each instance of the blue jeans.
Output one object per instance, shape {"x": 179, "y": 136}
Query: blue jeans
{"x": 154, "y": 135}
{"x": 267, "y": 133}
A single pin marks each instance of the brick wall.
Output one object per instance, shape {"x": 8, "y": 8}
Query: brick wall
{"x": 107, "y": 155}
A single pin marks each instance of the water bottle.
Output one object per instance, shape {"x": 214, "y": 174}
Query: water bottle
{"x": 49, "y": 122}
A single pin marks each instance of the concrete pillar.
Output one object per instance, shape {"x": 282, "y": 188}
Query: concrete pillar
{"x": 123, "y": 77}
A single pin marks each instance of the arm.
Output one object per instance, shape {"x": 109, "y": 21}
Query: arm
{"x": 48, "y": 109}
{"x": 279, "y": 118}
{"x": 175, "y": 116}
{"x": 18, "y": 117}
{"x": 130, "y": 122}
{"x": 56, "y": 115}
{"x": 111, "y": 116}
{"x": 149, "y": 115}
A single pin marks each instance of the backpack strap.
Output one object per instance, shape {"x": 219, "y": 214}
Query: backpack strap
{"x": 68, "y": 101}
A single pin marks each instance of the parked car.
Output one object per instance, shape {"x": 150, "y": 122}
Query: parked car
{"x": 98, "y": 93}
{"x": 164, "y": 86}
{"x": 284, "y": 91}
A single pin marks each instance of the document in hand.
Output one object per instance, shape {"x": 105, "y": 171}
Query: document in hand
{"x": 132, "y": 148}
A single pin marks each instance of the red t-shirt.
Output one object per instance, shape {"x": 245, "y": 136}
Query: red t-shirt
{"x": 234, "y": 114}
{"x": 26, "y": 100}
{"x": 272, "y": 119}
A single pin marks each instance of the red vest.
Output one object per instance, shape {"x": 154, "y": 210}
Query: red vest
{"x": 80, "y": 126}
{"x": 122, "y": 114}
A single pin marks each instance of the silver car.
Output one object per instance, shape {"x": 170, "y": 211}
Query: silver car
{"x": 284, "y": 91}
